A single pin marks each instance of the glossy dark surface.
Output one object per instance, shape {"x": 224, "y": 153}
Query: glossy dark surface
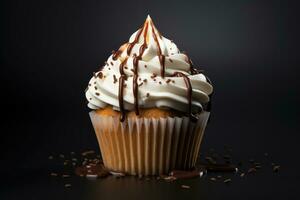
{"x": 49, "y": 50}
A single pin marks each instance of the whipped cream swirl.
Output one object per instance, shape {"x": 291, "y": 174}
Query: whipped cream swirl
{"x": 149, "y": 71}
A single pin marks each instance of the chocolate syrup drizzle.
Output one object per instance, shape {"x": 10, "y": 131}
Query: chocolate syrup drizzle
{"x": 159, "y": 52}
{"x": 116, "y": 54}
{"x": 121, "y": 87}
{"x": 136, "y": 59}
{"x": 189, "y": 91}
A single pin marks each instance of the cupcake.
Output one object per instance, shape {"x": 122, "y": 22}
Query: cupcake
{"x": 150, "y": 106}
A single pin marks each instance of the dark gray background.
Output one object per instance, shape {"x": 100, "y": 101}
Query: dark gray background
{"x": 49, "y": 50}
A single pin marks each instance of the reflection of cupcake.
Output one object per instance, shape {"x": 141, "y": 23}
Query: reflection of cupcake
{"x": 150, "y": 106}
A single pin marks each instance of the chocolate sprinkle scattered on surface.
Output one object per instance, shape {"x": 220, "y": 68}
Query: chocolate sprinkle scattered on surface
{"x": 173, "y": 81}
{"x": 65, "y": 175}
{"x": 210, "y": 160}
{"x": 213, "y": 179}
{"x": 276, "y": 168}
{"x": 170, "y": 60}
{"x": 257, "y": 166}
{"x": 96, "y": 88}
{"x": 141, "y": 84}
{"x": 147, "y": 94}
{"x": 251, "y": 170}
{"x": 168, "y": 81}
{"x": 145, "y": 80}
{"x": 117, "y": 174}
{"x": 97, "y": 93}
{"x": 111, "y": 63}
{"x": 159, "y": 82}
{"x": 85, "y": 153}
{"x": 185, "y": 186}
{"x": 145, "y": 66}
{"x": 168, "y": 178}
{"x": 227, "y": 180}
{"x": 182, "y": 174}
{"x": 219, "y": 167}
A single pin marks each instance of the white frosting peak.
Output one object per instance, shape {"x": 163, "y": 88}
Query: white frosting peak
{"x": 156, "y": 59}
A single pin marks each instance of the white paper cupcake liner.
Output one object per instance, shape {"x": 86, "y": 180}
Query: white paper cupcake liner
{"x": 149, "y": 146}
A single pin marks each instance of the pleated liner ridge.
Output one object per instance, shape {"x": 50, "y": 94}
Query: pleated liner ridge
{"x": 149, "y": 146}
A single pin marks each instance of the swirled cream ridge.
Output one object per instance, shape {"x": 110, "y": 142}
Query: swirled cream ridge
{"x": 149, "y": 71}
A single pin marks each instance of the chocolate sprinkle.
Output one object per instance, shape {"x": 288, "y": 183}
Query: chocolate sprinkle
{"x": 213, "y": 179}
{"x": 227, "y": 180}
{"x": 115, "y": 79}
{"x": 97, "y": 93}
{"x": 100, "y": 75}
{"x": 185, "y": 186}
{"x": 251, "y": 170}
{"x": 276, "y": 168}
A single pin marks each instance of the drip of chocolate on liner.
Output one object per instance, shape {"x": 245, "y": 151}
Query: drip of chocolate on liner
{"x": 121, "y": 87}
